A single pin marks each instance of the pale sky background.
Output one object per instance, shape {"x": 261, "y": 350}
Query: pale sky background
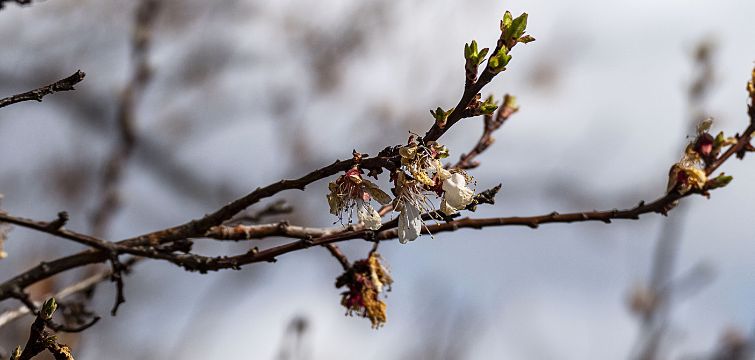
{"x": 601, "y": 133}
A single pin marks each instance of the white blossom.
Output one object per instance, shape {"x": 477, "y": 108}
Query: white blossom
{"x": 368, "y": 216}
{"x": 352, "y": 192}
{"x": 456, "y": 194}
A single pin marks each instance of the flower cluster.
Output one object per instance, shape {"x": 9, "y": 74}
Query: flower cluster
{"x": 352, "y": 192}
{"x": 421, "y": 173}
{"x": 689, "y": 173}
{"x": 365, "y": 280}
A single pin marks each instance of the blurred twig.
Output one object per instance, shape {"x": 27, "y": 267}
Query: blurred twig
{"x": 280, "y": 207}
{"x": 735, "y": 345}
{"x": 292, "y": 345}
{"x": 146, "y": 13}
{"x": 653, "y": 303}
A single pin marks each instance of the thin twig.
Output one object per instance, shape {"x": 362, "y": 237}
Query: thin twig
{"x": 36, "y": 310}
{"x": 197, "y": 227}
{"x": 280, "y": 207}
{"x": 471, "y": 90}
{"x": 203, "y": 264}
{"x": 55, "y": 228}
{"x": 339, "y": 255}
{"x": 60, "y": 85}
{"x": 491, "y": 124}
{"x": 40, "y": 339}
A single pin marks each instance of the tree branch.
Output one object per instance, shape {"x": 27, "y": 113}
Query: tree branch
{"x": 19, "y": 2}
{"x": 55, "y": 228}
{"x": 491, "y": 124}
{"x": 199, "y": 228}
{"x": 60, "y": 85}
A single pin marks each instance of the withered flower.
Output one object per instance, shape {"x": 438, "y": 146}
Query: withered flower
{"x": 352, "y": 192}
{"x": 686, "y": 178}
{"x": 689, "y": 173}
{"x": 422, "y": 173}
{"x": 365, "y": 280}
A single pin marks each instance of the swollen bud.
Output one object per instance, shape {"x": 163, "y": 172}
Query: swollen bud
{"x": 719, "y": 181}
{"x": 440, "y": 116}
{"x": 488, "y": 106}
{"x": 506, "y": 22}
{"x": 48, "y": 308}
{"x": 498, "y": 61}
{"x": 526, "y": 39}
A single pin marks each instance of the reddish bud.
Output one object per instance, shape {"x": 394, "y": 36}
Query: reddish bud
{"x": 704, "y": 145}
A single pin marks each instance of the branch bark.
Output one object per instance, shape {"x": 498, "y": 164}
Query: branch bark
{"x": 37, "y": 94}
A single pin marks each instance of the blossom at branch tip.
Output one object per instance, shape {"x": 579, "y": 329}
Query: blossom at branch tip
{"x": 456, "y": 194}
{"x": 689, "y": 173}
{"x": 683, "y": 179}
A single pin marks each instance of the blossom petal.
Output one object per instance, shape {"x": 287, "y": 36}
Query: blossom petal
{"x": 369, "y": 216}
{"x": 335, "y": 203}
{"x": 409, "y": 223}
{"x": 443, "y": 174}
{"x": 376, "y": 193}
{"x": 697, "y": 178}
{"x": 447, "y": 209}
{"x": 456, "y": 194}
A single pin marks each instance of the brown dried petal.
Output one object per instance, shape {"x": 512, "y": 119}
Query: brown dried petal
{"x": 376, "y": 193}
